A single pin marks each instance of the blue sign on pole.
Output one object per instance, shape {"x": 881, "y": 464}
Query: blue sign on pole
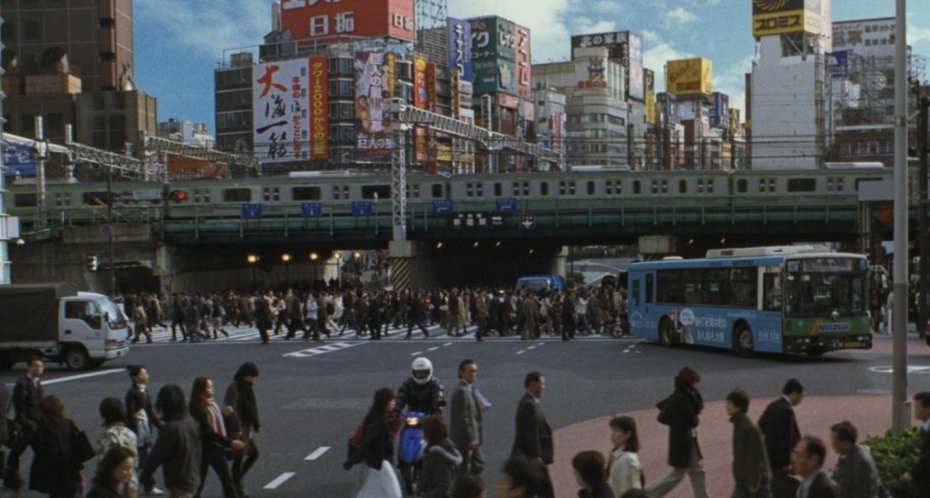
{"x": 506, "y": 205}
{"x": 19, "y": 160}
{"x": 251, "y": 210}
{"x": 442, "y": 206}
{"x": 311, "y": 210}
{"x": 362, "y": 208}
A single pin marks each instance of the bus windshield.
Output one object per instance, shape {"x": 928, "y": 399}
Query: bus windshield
{"x": 818, "y": 287}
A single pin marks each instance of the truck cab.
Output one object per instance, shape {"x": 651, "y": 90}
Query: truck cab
{"x": 92, "y": 330}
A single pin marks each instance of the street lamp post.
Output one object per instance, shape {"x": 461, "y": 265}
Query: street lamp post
{"x": 252, "y": 259}
{"x": 286, "y": 259}
{"x": 313, "y": 257}
{"x": 338, "y": 270}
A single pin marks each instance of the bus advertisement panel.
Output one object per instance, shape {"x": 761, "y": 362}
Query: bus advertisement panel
{"x": 773, "y": 300}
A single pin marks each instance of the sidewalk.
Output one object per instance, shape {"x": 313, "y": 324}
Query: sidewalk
{"x": 870, "y": 414}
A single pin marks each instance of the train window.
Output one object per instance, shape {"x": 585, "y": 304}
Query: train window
{"x": 655, "y": 186}
{"x": 618, "y": 187}
{"x": 305, "y": 194}
{"x": 437, "y": 190}
{"x": 636, "y": 187}
{"x": 416, "y": 190}
{"x": 337, "y": 191}
{"x": 609, "y": 187}
{"x": 526, "y": 188}
{"x": 376, "y": 192}
{"x": 700, "y": 186}
{"x": 664, "y": 186}
{"x": 802, "y": 185}
{"x": 762, "y": 185}
{"x": 682, "y": 186}
{"x": 771, "y": 184}
{"x": 237, "y": 195}
{"x": 544, "y": 188}
{"x": 829, "y": 184}
{"x": 571, "y": 188}
{"x": 206, "y": 196}
{"x": 468, "y": 190}
{"x": 742, "y": 186}
{"x": 59, "y": 197}
{"x": 561, "y": 188}
{"x": 25, "y": 200}
{"x": 479, "y": 188}
{"x": 498, "y": 191}
{"x": 710, "y": 186}
{"x": 590, "y": 188}
{"x": 840, "y": 184}
{"x": 271, "y": 194}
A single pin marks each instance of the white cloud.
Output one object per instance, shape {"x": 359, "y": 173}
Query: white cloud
{"x": 916, "y": 34}
{"x": 203, "y": 29}
{"x": 731, "y": 80}
{"x": 680, "y": 16}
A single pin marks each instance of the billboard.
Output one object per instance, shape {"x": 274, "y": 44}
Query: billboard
{"x": 720, "y": 114}
{"x": 590, "y": 72}
{"x": 689, "y": 77}
{"x": 280, "y": 110}
{"x": 319, "y": 109}
{"x": 775, "y": 17}
{"x": 870, "y": 37}
{"x": 624, "y": 47}
{"x": 492, "y": 38}
{"x": 495, "y": 75}
{"x": 374, "y": 141}
{"x": 460, "y": 48}
{"x": 420, "y": 101}
{"x": 523, "y": 62}
{"x": 649, "y": 80}
{"x": 319, "y": 20}
{"x": 19, "y": 160}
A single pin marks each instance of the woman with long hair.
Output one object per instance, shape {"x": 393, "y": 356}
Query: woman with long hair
{"x": 440, "y": 459}
{"x": 56, "y": 468}
{"x": 623, "y": 469}
{"x": 214, "y": 440}
{"x": 116, "y": 434}
{"x": 177, "y": 448}
{"x": 243, "y": 423}
{"x": 114, "y": 471}
{"x": 377, "y": 479}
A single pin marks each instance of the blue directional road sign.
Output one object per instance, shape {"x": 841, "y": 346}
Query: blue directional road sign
{"x": 506, "y": 205}
{"x": 442, "y": 206}
{"x": 362, "y": 208}
{"x": 311, "y": 209}
{"x": 251, "y": 210}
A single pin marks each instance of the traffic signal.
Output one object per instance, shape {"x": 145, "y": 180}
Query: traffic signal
{"x": 178, "y": 195}
{"x": 93, "y": 264}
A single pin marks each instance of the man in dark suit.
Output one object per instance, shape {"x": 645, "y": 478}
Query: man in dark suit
{"x": 533, "y": 436}
{"x": 919, "y": 475}
{"x": 780, "y": 428}
{"x": 26, "y": 396}
{"x": 465, "y": 428}
{"x": 807, "y": 460}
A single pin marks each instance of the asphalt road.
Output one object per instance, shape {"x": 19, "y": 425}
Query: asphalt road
{"x": 311, "y": 396}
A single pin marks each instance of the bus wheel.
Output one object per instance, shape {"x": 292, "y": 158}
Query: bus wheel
{"x": 667, "y": 333}
{"x": 742, "y": 340}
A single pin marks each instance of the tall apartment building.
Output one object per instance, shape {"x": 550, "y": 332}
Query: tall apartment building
{"x": 58, "y": 53}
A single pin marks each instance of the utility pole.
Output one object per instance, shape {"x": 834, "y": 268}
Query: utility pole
{"x": 900, "y": 418}
{"x": 923, "y": 127}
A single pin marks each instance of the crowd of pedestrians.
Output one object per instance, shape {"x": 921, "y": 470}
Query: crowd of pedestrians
{"x": 770, "y": 458}
{"x": 372, "y": 314}
{"x": 139, "y": 436}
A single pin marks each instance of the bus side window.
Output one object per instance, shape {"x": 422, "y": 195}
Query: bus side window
{"x": 649, "y": 286}
{"x": 772, "y": 292}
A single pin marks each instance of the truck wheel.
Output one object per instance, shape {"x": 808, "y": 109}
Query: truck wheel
{"x": 76, "y": 358}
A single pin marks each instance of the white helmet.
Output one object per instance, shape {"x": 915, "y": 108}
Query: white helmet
{"x": 422, "y": 370}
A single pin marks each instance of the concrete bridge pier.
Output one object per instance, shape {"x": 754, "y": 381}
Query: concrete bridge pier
{"x": 412, "y": 265}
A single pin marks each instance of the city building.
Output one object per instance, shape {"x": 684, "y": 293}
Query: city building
{"x": 789, "y": 111}
{"x": 61, "y": 57}
{"x": 186, "y": 132}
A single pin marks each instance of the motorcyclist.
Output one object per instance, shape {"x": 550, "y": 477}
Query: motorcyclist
{"x": 421, "y": 392}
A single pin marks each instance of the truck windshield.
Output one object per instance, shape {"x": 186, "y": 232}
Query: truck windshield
{"x": 115, "y": 318}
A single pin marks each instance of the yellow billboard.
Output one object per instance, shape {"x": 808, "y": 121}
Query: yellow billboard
{"x": 689, "y": 77}
{"x": 775, "y": 17}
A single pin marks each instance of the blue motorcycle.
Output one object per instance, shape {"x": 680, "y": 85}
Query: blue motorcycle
{"x": 410, "y": 451}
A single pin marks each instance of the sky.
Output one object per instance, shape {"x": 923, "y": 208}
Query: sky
{"x": 179, "y": 43}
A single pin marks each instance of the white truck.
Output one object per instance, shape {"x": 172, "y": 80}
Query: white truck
{"x": 79, "y": 329}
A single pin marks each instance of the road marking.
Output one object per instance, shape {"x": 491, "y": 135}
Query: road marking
{"x": 83, "y": 376}
{"x": 434, "y": 348}
{"x": 531, "y": 348}
{"x": 306, "y": 353}
{"x": 317, "y": 454}
{"x": 279, "y": 480}
{"x": 416, "y": 353}
{"x": 448, "y": 344}
{"x": 521, "y": 351}
{"x": 910, "y": 369}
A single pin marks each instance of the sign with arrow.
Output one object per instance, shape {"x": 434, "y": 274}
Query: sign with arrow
{"x": 527, "y": 222}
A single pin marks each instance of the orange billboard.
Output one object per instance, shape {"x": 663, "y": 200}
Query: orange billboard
{"x": 320, "y": 20}
{"x": 689, "y": 77}
{"x": 319, "y": 109}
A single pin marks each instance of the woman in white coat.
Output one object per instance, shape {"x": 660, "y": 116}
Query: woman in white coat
{"x": 623, "y": 469}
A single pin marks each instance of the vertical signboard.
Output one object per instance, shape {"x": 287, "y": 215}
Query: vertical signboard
{"x": 420, "y": 99}
{"x": 373, "y": 128}
{"x": 635, "y": 84}
{"x": 431, "y": 106}
{"x": 649, "y": 78}
{"x": 720, "y": 116}
{"x": 319, "y": 20}
{"x": 523, "y": 62}
{"x": 493, "y": 55}
{"x": 280, "y": 105}
{"x": 319, "y": 109}
{"x": 460, "y": 48}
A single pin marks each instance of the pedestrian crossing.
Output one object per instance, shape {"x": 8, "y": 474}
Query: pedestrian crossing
{"x": 246, "y": 334}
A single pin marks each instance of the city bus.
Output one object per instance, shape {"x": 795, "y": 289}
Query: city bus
{"x": 784, "y": 299}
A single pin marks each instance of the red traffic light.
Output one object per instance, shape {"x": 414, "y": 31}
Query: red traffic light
{"x": 178, "y": 195}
